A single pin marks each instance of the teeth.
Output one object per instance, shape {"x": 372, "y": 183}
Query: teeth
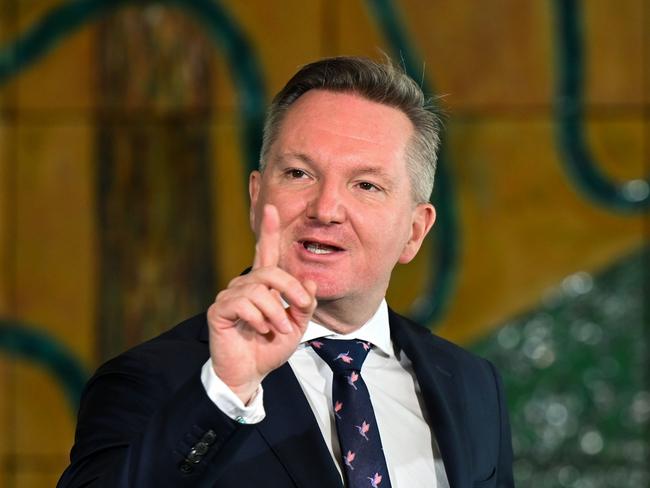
{"x": 318, "y": 248}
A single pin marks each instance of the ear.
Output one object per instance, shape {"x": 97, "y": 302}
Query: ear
{"x": 424, "y": 215}
{"x": 254, "y": 184}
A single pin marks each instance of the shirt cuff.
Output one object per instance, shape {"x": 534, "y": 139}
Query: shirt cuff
{"x": 228, "y": 402}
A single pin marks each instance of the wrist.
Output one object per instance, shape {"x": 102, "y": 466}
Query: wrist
{"x": 228, "y": 402}
{"x": 245, "y": 391}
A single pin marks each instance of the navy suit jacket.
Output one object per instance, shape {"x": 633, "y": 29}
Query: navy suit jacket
{"x": 146, "y": 421}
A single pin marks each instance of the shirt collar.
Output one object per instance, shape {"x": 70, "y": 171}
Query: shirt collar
{"x": 376, "y": 331}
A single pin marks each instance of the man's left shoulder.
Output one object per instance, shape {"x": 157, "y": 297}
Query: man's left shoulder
{"x": 419, "y": 341}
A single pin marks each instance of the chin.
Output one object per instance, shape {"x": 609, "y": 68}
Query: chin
{"x": 328, "y": 294}
{"x": 328, "y": 287}
{"x": 326, "y": 290}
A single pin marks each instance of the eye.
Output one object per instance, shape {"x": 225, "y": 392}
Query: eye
{"x": 295, "y": 173}
{"x": 367, "y": 186}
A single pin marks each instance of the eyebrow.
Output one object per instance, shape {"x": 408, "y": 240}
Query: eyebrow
{"x": 372, "y": 170}
{"x": 362, "y": 170}
{"x": 291, "y": 155}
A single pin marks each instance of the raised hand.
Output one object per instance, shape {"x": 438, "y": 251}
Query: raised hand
{"x": 251, "y": 333}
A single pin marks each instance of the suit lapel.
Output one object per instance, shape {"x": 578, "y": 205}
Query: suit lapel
{"x": 292, "y": 432}
{"x": 433, "y": 366}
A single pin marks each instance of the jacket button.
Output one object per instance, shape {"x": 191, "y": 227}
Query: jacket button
{"x": 186, "y": 467}
{"x": 193, "y": 456}
{"x": 209, "y": 437}
{"x": 201, "y": 448}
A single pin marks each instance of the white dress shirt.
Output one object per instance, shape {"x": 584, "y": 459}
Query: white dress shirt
{"x": 411, "y": 451}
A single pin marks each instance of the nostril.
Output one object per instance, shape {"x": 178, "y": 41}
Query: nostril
{"x": 325, "y": 210}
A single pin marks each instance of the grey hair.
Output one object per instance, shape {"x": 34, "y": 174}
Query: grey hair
{"x": 377, "y": 82}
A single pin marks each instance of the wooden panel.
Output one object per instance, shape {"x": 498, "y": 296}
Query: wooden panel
{"x": 524, "y": 227}
{"x": 357, "y": 31}
{"x": 31, "y": 11}
{"x": 8, "y": 12}
{"x": 36, "y": 392}
{"x": 234, "y": 242}
{"x": 281, "y": 41}
{"x": 55, "y": 247}
{"x": 6, "y": 18}
{"x": 616, "y": 53}
{"x": 408, "y": 281}
{"x": 6, "y": 420}
{"x": 61, "y": 81}
{"x": 6, "y": 211}
{"x": 485, "y": 53}
{"x": 619, "y": 146}
{"x": 155, "y": 237}
{"x": 5, "y": 362}
{"x": 35, "y": 479}
{"x": 646, "y": 53}
{"x": 224, "y": 95}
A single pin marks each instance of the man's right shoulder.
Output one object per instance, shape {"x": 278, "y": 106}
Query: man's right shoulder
{"x": 184, "y": 346}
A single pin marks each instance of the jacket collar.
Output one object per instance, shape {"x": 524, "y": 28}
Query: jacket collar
{"x": 434, "y": 367}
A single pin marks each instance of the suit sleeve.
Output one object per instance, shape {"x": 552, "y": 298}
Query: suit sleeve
{"x": 504, "y": 461}
{"x": 138, "y": 428}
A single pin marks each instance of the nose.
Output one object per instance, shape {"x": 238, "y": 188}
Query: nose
{"x": 325, "y": 205}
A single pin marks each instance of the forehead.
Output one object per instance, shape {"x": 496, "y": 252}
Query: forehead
{"x": 327, "y": 125}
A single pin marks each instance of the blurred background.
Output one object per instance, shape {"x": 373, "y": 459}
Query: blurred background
{"x": 128, "y": 128}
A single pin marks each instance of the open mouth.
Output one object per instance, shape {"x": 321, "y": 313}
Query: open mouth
{"x": 319, "y": 247}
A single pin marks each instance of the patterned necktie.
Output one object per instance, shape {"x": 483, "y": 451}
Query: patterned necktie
{"x": 363, "y": 456}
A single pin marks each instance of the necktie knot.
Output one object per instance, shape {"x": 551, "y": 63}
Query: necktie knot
{"x": 342, "y": 356}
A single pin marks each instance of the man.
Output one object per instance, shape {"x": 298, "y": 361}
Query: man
{"x": 244, "y": 395}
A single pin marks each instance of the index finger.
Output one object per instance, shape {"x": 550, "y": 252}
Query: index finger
{"x": 267, "y": 249}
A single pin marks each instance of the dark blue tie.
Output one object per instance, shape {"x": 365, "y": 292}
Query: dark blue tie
{"x": 363, "y": 456}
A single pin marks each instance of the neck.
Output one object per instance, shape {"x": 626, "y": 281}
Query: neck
{"x": 344, "y": 315}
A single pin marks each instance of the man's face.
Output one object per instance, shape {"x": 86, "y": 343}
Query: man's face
{"x": 337, "y": 175}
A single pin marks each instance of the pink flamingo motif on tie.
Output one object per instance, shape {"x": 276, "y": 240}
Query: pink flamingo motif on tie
{"x": 338, "y": 406}
{"x": 365, "y": 345}
{"x": 352, "y": 379}
{"x": 363, "y": 429}
{"x": 375, "y": 480}
{"x": 345, "y": 357}
{"x": 316, "y": 344}
{"x": 349, "y": 457}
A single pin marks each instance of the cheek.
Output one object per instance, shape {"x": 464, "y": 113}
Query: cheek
{"x": 386, "y": 236}
{"x": 289, "y": 204}
{"x": 291, "y": 212}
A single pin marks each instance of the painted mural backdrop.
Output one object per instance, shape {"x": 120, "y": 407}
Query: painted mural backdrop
{"x": 127, "y": 130}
